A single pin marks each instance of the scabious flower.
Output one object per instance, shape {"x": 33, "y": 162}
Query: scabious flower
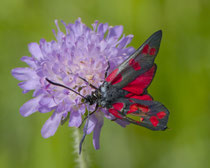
{"x": 81, "y": 51}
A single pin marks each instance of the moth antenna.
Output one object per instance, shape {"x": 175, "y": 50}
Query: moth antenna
{"x": 58, "y": 84}
{"x": 94, "y": 87}
{"x": 107, "y": 69}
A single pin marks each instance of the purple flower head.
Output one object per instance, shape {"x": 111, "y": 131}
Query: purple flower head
{"x": 81, "y": 51}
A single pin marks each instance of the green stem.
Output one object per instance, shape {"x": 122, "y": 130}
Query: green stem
{"x": 82, "y": 158}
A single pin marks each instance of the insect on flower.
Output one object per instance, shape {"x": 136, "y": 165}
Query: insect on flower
{"x": 124, "y": 91}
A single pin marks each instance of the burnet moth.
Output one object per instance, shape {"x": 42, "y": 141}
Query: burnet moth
{"x": 124, "y": 91}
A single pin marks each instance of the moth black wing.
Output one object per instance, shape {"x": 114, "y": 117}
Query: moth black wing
{"x": 133, "y": 76}
{"x": 140, "y": 62}
{"x": 150, "y": 114}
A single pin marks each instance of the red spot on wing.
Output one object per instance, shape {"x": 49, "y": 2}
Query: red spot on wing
{"x": 145, "y": 49}
{"x": 117, "y": 79}
{"x": 115, "y": 113}
{"x": 139, "y": 97}
{"x": 152, "y": 51}
{"x": 136, "y": 107}
{"x": 130, "y": 100}
{"x": 154, "y": 121}
{"x": 118, "y": 106}
{"x": 138, "y": 85}
{"x": 135, "y": 65}
{"x": 161, "y": 114}
{"x": 112, "y": 75}
{"x": 141, "y": 119}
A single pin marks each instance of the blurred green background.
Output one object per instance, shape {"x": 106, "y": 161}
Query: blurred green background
{"x": 182, "y": 83}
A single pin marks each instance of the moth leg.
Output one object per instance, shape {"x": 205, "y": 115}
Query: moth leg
{"x": 63, "y": 120}
{"x": 96, "y": 108}
{"x": 107, "y": 69}
{"x": 94, "y": 87}
{"x": 85, "y": 128}
{"x": 84, "y": 134}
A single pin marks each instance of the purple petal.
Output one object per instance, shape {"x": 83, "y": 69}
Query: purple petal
{"x": 30, "y": 107}
{"x": 95, "y": 25}
{"x": 29, "y": 85}
{"x": 62, "y": 106}
{"x": 91, "y": 124}
{"x": 67, "y": 31}
{"x": 29, "y": 60}
{"x": 56, "y": 69}
{"x": 76, "y": 28}
{"x": 82, "y": 109}
{"x": 102, "y": 28}
{"x": 23, "y": 73}
{"x": 96, "y": 134}
{"x": 75, "y": 119}
{"x": 102, "y": 45}
{"x": 37, "y": 92}
{"x": 51, "y": 125}
{"x": 122, "y": 122}
{"x": 60, "y": 34}
{"x": 128, "y": 50}
{"x": 44, "y": 109}
{"x": 47, "y": 101}
{"x": 35, "y": 51}
{"x": 32, "y": 81}
{"x": 45, "y": 47}
{"x": 125, "y": 41}
{"x": 115, "y": 32}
